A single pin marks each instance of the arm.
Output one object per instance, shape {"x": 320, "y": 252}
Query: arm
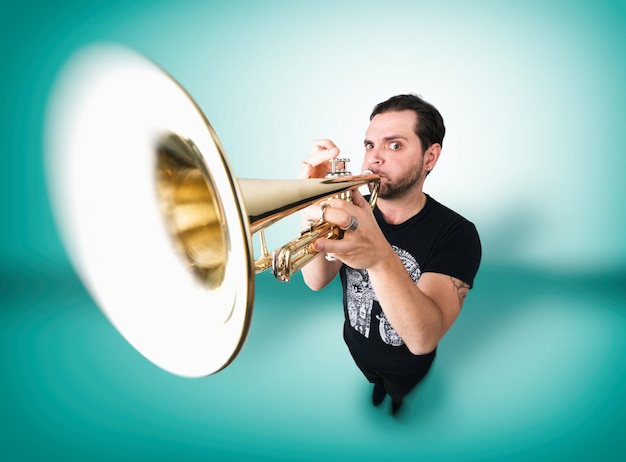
{"x": 318, "y": 273}
{"x": 420, "y": 313}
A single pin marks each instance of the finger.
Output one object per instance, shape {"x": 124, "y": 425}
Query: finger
{"x": 306, "y": 171}
{"x": 336, "y": 247}
{"x": 310, "y": 214}
{"x": 319, "y": 156}
{"x": 315, "y": 165}
{"x": 313, "y": 213}
{"x": 341, "y": 204}
{"x": 323, "y": 144}
{"x": 337, "y": 216}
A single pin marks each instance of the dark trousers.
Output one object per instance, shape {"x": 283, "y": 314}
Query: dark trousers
{"x": 398, "y": 380}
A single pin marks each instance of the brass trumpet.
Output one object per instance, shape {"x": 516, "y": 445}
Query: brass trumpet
{"x": 152, "y": 217}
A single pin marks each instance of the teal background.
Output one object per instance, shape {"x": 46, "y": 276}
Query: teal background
{"x": 533, "y": 95}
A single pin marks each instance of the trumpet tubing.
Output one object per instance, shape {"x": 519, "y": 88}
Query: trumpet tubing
{"x": 293, "y": 256}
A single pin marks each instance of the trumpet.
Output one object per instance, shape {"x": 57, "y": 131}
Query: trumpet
{"x": 153, "y": 219}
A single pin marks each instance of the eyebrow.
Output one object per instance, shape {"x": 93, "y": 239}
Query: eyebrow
{"x": 388, "y": 138}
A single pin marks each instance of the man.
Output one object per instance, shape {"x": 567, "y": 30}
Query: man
{"x": 406, "y": 266}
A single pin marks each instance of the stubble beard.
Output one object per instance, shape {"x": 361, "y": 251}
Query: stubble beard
{"x": 401, "y": 186}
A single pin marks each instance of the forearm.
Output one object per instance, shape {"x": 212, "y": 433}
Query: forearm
{"x": 416, "y": 318}
{"x": 319, "y": 272}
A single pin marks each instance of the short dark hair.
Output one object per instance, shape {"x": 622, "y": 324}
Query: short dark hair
{"x": 429, "y": 128}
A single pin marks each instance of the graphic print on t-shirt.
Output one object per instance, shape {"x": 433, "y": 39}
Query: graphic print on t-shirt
{"x": 360, "y": 299}
{"x": 388, "y": 333}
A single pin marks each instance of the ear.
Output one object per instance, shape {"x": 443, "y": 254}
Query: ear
{"x": 431, "y": 156}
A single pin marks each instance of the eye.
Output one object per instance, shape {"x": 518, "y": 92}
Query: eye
{"x": 369, "y": 146}
{"x": 395, "y": 145}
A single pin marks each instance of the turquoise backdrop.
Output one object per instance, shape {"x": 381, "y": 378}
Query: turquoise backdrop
{"x": 534, "y": 100}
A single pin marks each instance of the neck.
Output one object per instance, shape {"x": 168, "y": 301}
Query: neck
{"x": 400, "y": 209}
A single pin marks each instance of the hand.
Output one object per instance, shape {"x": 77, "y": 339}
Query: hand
{"x": 316, "y": 164}
{"x": 362, "y": 248}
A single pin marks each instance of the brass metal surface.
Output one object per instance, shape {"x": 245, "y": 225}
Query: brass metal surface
{"x": 164, "y": 244}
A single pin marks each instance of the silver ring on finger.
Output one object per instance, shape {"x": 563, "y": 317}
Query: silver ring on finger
{"x": 354, "y": 224}
{"x": 324, "y": 206}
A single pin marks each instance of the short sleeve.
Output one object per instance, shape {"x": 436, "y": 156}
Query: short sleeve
{"x": 458, "y": 253}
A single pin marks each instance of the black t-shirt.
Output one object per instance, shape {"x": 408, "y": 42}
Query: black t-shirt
{"x": 437, "y": 240}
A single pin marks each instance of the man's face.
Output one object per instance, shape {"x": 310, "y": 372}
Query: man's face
{"x": 394, "y": 151}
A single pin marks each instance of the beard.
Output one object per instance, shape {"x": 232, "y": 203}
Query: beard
{"x": 393, "y": 190}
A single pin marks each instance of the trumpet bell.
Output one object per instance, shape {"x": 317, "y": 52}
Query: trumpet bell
{"x": 124, "y": 177}
{"x": 152, "y": 217}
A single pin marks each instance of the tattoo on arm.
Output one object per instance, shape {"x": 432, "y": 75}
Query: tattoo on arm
{"x": 460, "y": 287}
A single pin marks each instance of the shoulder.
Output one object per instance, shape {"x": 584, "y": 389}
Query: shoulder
{"x": 435, "y": 206}
{"x": 457, "y": 249}
{"x": 446, "y": 218}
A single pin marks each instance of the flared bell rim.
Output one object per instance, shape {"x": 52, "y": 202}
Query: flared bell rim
{"x": 110, "y": 109}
